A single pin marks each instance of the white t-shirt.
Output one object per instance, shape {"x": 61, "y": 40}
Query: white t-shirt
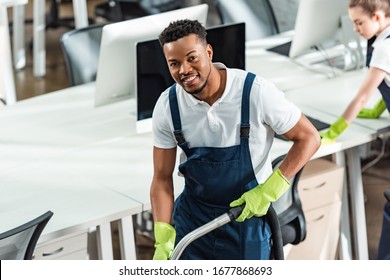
{"x": 381, "y": 54}
{"x": 219, "y": 125}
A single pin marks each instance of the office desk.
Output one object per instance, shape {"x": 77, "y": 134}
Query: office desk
{"x": 333, "y": 96}
{"x": 77, "y": 203}
{"x": 346, "y": 153}
{"x": 36, "y": 130}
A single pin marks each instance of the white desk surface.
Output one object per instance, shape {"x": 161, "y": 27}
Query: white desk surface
{"x": 332, "y": 97}
{"x": 124, "y": 165}
{"x": 60, "y": 122}
{"x": 281, "y": 70}
{"x": 77, "y": 203}
{"x": 356, "y": 135}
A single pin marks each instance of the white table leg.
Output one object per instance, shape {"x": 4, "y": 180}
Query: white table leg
{"x": 19, "y": 51}
{"x": 126, "y": 238}
{"x": 7, "y": 82}
{"x": 39, "y": 25}
{"x": 357, "y": 204}
{"x": 104, "y": 240}
{"x": 80, "y": 13}
{"x": 345, "y": 251}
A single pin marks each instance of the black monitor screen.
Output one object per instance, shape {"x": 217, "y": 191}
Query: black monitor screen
{"x": 153, "y": 77}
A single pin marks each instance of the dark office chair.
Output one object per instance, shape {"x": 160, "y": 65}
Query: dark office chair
{"x": 119, "y": 10}
{"x": 53, "y": 20}
{"x": 258, "y": 15}
{"x": 290, "y": 217}
{"x": 81, "y": 52}
{"x": 19, "y": 243}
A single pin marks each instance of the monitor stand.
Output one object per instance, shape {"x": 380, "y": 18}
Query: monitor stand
{"x": 336, "y": 59}
{"x": 352, "y": 43}
{"x": 351, "y": 56}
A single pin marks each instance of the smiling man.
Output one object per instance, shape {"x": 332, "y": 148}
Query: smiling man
{"x": 224, "y": 120}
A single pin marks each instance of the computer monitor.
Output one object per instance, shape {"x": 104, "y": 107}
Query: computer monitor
{"x": 116, "y": 74}
{"x": 153, "y": 76}
{"x": 317, "y": 22}
{"x": 324, "y": 25}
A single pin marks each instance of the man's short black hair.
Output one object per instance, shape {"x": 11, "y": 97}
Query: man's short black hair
{"x": 181, "y": 28}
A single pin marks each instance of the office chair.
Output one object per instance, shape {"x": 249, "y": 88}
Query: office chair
{"x": 19, "y": 243}
{"x": 119, "y": 10}
{"x": 52, "y": 17}
{"x": 290, "y": 217}
{"x": 81, "y": 52}
{"x": 258, "y": 15}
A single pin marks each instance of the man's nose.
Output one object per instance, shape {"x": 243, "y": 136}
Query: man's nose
{"x": 184, "y": 68}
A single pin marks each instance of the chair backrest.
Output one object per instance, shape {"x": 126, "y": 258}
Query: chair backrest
{"x": 258, "y": 16}
{"x": 119, "y": 10}
{"x": 289, "y": 210}
{"x": 19, "y": 243}
{"x": 81, "y": 49}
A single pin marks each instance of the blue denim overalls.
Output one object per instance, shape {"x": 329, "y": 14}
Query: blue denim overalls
{"x": 214, "y": 177}
{"x": 383, "y": 246}
{"x": 384, "y": 241}
{"x": 383, "y": 87}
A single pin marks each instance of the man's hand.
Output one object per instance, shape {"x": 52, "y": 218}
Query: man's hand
{"x": 258, "y": 199}
{"x": 165, "y": 236}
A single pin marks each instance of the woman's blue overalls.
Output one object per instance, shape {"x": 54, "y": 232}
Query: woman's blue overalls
{"x": 383, "y": 87}
{"x": 214, "y": 177}
{"x": 383, "y": 246}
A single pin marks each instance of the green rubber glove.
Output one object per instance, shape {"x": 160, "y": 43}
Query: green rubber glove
{"x": 334, "y": 130}
{"x": 165, "y": 236}
{"x": 373, "y": 113}
{"x": 258, "y": 199}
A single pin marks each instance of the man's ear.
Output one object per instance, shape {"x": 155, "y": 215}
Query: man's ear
{"x": 209, "y": 50}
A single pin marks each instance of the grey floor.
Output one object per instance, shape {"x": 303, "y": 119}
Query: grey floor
{"x": 376, "y": 179}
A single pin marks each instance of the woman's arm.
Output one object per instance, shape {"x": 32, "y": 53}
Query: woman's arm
{"x": 371, "y": 82}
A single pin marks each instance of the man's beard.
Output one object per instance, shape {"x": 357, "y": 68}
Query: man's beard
{"x": 199, "y": 90}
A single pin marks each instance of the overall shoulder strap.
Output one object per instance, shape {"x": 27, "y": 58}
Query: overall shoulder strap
{"x": 176, "y": 116}
{"x": 245, "y": 127}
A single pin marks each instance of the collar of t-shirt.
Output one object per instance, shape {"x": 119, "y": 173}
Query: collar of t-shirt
{"x": 385, "y": 32}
